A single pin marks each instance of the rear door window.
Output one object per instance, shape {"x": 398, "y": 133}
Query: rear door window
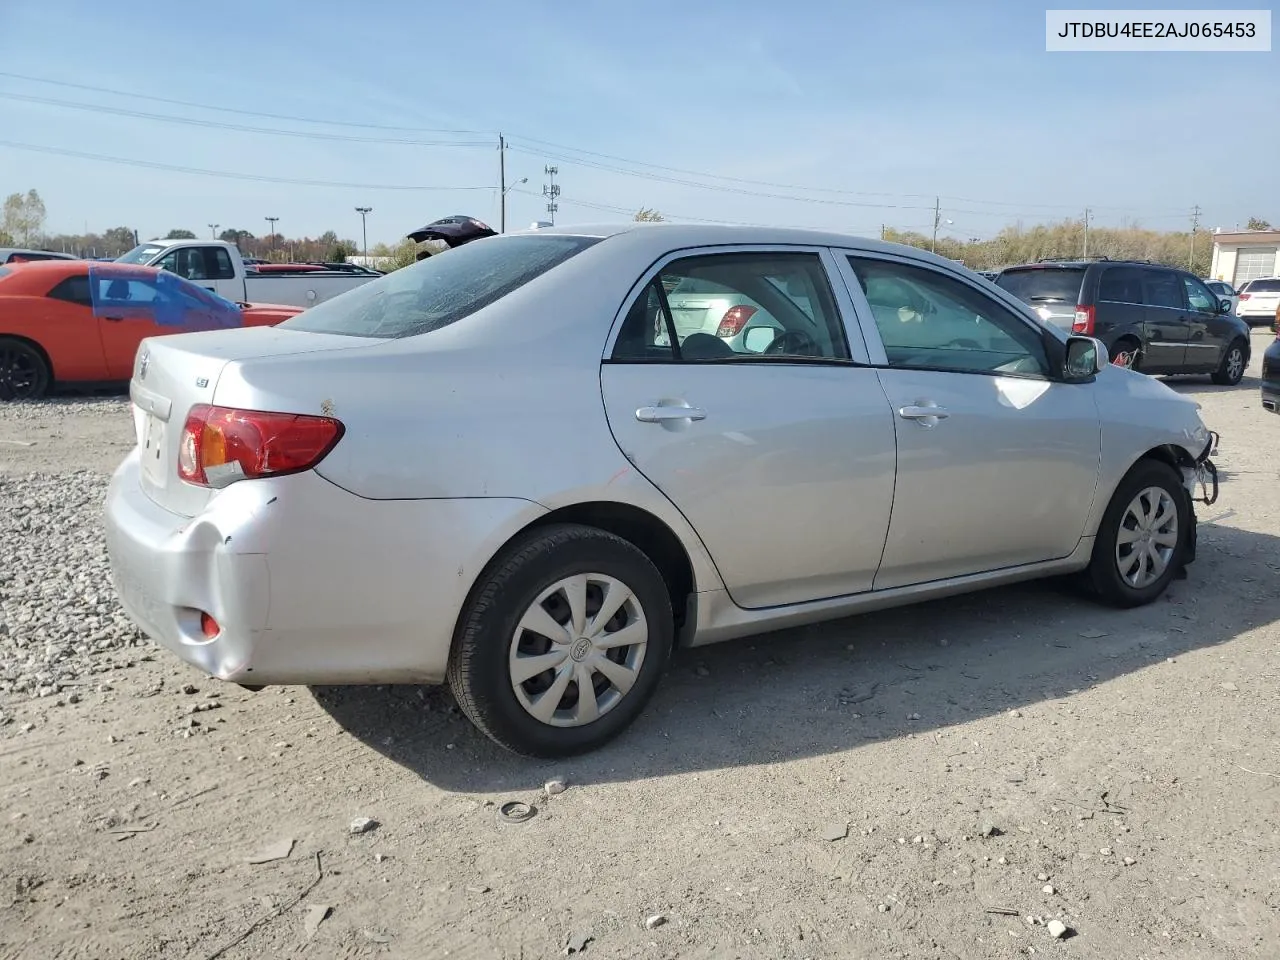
{"x": 72, "y": 290}
{"x": 1162, "y": 289}
{"x": 1121, "y": 285}
{"x": 1043, "y": 284}
{"x": 440, "y": 290}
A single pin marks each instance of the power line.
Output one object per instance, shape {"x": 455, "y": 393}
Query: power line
{"x": 243, "y": 113}
{"x": 214, "y": 124}
{"x": 539, "y": 153}
{"x": 226, "y": 174}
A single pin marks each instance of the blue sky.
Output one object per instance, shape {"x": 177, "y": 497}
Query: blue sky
{"x": 860, "y": 113}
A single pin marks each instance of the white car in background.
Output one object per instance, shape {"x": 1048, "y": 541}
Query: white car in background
{"x": 1259, "y": 300}
{"x": 1224, "y": 291}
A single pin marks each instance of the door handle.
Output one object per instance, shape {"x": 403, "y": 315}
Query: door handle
{"x": 114, "y": 319}
{"x": 662, "y": 414}
{"x": 923, "y": 413}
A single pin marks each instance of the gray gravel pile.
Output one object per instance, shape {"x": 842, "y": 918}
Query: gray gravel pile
{"x": 53, "y": 408}
{"x": 58, "y": 610}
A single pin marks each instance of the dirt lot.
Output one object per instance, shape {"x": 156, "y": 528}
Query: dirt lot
{"x": 934, "y": 782}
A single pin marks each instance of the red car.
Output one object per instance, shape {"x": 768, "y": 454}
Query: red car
{"x": 80, "y": 321}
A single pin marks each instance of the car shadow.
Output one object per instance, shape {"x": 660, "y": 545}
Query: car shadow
{"x": 828, "y": 688}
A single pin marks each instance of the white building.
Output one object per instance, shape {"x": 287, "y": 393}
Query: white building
{"x": 1238, "y": 257}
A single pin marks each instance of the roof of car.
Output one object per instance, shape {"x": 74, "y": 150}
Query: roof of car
{"x": 675, "y": 235}
{"x": 8, "y": 251}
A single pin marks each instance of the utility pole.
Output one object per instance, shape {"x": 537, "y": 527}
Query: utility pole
{"x": 1195, "y": 222}
{"x": 937, "y": 217}
{"x": 502, "y": 184}
{"x": 272, "y": 221}
{"x": 1086, "y": 233}
{"x": 213, "y": 230}
{"x": 551, "y": 191}
{"x": 364, "y": 233}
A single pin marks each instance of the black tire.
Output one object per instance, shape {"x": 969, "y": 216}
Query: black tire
{"x": 24, "y": 372}
{"x": 1231, "y": 370}
{"x": 1130, "y": 346}
{"x": 1103, "y": 573}
{"x": 479, "y": 662}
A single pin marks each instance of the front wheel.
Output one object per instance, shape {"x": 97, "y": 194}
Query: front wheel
{"x": 1231, "y": 370}
{"x": 1141, "y": 543}
{"x": 24, "y": 374}
{"x": 559, "y": 650}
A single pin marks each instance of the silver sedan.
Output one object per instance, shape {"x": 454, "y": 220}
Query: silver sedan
{"x": 508, "y": 468}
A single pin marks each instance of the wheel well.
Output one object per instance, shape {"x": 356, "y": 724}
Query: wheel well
{"x": 1170, "y": 454}
{"x": 653, "y": 537}
{"x": 34, "y": 346}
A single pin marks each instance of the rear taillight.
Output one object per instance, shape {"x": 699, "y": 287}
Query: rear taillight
{"x": 220, "y": 444}
{"x": 734, "y": 319}
{"x": 1083, "y": 322}
{"x": 1244, "y": 296}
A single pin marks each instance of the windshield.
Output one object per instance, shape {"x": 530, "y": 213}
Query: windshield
{"x": 439, "y": 290}
{"x": 1038, "y": 284}
{"x": 141, "y": 253}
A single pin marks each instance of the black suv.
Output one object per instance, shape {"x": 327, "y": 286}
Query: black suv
{"x": 1152, "y": 318}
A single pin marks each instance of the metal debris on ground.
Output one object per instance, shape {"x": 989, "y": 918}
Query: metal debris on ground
{"x": 516, "y": 811}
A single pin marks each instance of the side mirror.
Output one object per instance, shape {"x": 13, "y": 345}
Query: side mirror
{"x": 757, "y": 339}
{"x": 1086, "y": 357}
{"x": 1224, "y": 305}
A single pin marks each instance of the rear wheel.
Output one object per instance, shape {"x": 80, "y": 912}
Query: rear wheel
{"x": 24, "y": 374}
{"x": 567, "y": 639}
{"x": 1141, "y": 542}
{"x": 1231, "y": 370}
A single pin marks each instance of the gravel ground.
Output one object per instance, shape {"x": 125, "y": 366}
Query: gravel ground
{"x": 964, "y": 778}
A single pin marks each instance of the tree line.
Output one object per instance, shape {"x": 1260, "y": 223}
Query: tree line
{"x": 24, "y": 218}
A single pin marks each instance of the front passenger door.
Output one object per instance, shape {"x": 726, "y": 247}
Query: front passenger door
{"x": 1207, "y": 332}
{"x": 997, "y": 461}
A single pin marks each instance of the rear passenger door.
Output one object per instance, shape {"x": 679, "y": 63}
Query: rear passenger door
{"x": 1166, "y": 320}
{"x": 775, "y": 440}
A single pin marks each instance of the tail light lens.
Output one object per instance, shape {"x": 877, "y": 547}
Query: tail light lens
{"x": 1083, "y": 322}
{"x": 734, "y": 319}
{"x": 221, "y": 445}
{"x": 1244, "y": 296}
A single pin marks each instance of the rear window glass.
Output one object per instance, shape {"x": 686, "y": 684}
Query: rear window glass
{"x": 1264, "y": 286}
{"x": 439, "y": 290}
{"x": 1038, "y": 285}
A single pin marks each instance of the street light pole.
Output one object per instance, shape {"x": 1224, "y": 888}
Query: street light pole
{"x": 364, "y": 233}
{"x": 213, "y": 230}
{"x": 272, "y": 221}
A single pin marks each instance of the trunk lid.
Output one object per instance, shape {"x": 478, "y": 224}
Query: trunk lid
{"x": 173, "y": 373}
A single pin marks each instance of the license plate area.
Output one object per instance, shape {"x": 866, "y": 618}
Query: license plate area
{"x": 154, "y": 465}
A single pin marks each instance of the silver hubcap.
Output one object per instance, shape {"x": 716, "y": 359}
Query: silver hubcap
{"x": 1148, "y": 536}
{"x": 1235, "y": 363}
{"x": 578, "y": 649}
